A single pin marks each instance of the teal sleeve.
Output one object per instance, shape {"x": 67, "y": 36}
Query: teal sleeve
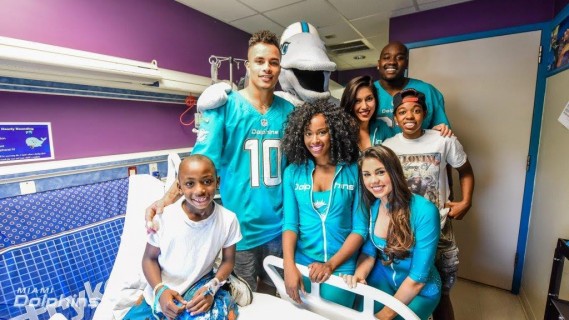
{"x": 211, "y": 135}
{"x": 439, "y": 114}
{"x": 290, "y": 204}
{"x": 426, "y": 232}
{"x": 360, "y": 218}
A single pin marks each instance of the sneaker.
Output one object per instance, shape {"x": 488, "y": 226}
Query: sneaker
{"x": 240, "y": 290}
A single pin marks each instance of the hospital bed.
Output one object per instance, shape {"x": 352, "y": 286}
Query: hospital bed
{"x": 314, "y": 303}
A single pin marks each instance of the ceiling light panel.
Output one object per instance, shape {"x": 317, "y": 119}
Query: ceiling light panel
{"x": 342, "y": 31}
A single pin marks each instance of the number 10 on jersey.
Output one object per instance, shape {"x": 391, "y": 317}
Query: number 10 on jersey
{"x": 266, "y": 157}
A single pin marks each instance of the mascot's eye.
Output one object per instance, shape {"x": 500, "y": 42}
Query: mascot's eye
{"x": 284, "y": 47}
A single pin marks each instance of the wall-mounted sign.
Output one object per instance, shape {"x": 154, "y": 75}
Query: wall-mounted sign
{"x": 564, "y": 116}
{"x": 21, "y": 141}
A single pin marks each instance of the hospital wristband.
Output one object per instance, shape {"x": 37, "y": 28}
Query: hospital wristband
{"x": 157, "y": 287}
{"x": 212, "y": 286}
{"x": 160, "y": 292}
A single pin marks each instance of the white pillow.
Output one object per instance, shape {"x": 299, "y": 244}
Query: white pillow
{"x": 126, "y": 282}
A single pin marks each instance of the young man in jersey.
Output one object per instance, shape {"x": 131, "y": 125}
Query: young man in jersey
{"x": 243, "y": 139}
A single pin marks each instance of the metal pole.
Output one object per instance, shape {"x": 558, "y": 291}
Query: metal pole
{"x": 231, "y": 71}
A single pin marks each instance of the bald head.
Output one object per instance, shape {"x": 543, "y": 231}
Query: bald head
{"x": 392, "y": 63}
{"x": 397, "y": 45}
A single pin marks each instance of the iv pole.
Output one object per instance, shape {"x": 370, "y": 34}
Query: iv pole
{"x": 216, "y": 61}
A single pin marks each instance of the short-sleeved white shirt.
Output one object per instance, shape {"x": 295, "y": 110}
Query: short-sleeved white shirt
{"x": 188, "y": 249}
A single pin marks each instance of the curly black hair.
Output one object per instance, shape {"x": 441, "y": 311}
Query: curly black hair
{"x": 343, "y": 133}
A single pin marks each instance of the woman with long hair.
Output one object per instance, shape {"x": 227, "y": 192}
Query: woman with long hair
{"x": 398, "y": 256}
{"x": 360, "y": 101}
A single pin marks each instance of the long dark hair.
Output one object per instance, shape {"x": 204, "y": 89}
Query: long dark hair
{"x": 343, "y": 133}
{"x": 399, "y": 235}
{"x": 350, "y": 92}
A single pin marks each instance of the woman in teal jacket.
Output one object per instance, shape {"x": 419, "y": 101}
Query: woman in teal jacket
{"x": 398, "y": 256}
{"x": 324, "y": 222}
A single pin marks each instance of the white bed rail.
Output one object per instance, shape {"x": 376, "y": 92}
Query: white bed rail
{"x": 316, "y": 304}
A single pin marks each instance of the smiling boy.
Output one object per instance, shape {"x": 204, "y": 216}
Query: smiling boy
{"x": 179, "y": 258}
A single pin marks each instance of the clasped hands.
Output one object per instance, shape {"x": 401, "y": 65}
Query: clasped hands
{"x": 173, "y": 304}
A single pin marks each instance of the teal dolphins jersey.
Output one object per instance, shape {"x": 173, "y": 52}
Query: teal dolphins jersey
{"x": 433, "y": 97}
{"x": 245, "y": 147}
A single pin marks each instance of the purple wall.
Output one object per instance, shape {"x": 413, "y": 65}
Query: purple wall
{"x": 469, "y": 17}
{"x": 560, "y": 5}
{"x": 177, "y": 36}
{"x": 92, "y": 127}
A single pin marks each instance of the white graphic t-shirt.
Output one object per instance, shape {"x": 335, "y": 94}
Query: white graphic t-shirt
{"x": 424, "y": 161}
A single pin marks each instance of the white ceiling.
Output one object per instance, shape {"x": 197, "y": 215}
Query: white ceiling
{"x": 337, "y": 21}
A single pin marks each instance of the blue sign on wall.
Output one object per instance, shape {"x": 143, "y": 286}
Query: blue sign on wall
{"x": 25, "y": 142}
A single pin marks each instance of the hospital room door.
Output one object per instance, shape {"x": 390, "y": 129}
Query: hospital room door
{"x": 489, "y": 87}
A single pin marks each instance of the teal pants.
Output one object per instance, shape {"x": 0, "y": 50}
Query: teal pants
{"x": 422, "y": 306}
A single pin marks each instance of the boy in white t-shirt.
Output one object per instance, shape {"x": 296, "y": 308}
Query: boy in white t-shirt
{"x": 179, "y": 258}
{"x": 424, "y": 155}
